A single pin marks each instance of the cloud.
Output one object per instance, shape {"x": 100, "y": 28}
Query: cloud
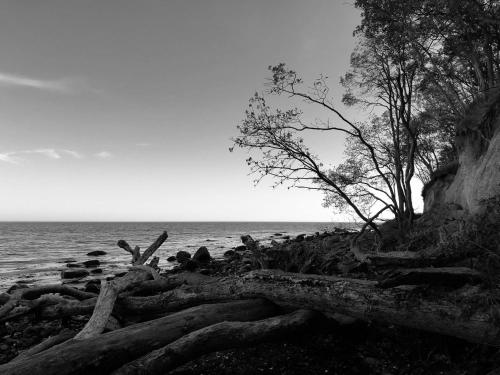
{"x": 51, "y": 153}
{"x": 8, "y": 158}
{"x": 63, "y": 86}
{"x": 75, "y": 154}
{"x": 104, "y": 155}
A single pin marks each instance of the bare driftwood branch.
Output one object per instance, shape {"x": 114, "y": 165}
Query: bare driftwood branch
{"x": 220, "y": 336}
{"x": 108, "y": 351}
{"x": 111, "y": 289}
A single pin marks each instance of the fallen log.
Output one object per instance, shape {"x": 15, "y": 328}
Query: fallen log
{"x": 451, "y": 276}
{"x": 63, "y": 336}
{"x": 220, "y": 336}
{"x": 14, "y": 299}
{"x": 106, "y": 352}
{"x": 447, "y": 313}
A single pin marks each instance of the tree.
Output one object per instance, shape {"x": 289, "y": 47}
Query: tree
{"x": 285, "y": 156}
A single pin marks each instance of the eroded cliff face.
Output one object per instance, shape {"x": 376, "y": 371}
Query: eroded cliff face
{"x": 478, "y": 175}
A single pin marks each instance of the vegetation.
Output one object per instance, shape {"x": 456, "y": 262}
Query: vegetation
{"x": 418, "y": 67}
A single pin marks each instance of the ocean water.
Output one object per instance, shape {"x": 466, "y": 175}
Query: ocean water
{"x": 34, "y": 253}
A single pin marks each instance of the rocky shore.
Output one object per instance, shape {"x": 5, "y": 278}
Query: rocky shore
{"x": 348, "y": 346}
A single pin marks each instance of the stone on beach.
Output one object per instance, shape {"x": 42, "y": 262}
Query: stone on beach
{"x": 91, "y": 263}
{"x": 202, "y": 255}
{"x": 96, "y": 253}
{"x": 73, "y": 274}
{"x": 182, "y": 256}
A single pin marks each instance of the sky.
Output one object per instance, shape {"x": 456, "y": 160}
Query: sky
{"x": 123, "y": 110}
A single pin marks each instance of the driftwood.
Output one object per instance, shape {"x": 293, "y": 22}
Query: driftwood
{"x": 362, "y": 299}
{"x": 106, "y": 352}
{"x": 452, "y": 276}
{"x": 221, "y": 336}
{"x": 111, "y": 289}
{"x": 13, "y": 300}
{"x": 63, "y": 336}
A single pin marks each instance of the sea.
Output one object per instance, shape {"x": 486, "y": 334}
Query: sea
{"x": 34, "y": 253}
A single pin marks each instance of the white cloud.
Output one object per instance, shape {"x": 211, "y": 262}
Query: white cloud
{"x": 63, "y": 86}
{"x": 73, "y": 153}
{"x": 51, "y": 153}
{"x": 104, "y": 155}
{"x": 8, "y": 158}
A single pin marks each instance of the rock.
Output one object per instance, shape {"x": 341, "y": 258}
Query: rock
{"x": 171, "y": 258}
{"x": 229, "y": 254}
{"x": 96, "y": 253}
{"x": 73, "y": 274}
{"x": 96, "y": 271}
{"x": 309, "y": 238}
{"x": 240, "y": 248}
{"x": 182, "y": 256}
{"x": 92, "y": 288}
{"x": 91, "y": 263}
{"x": 74, "y": 265}
{"x": 202, "y": 255}
{"x": 190, "y": 265}
{"x": 120, "y": 274}
{"x": 205, "y": 271}
{"x": 249, "y": 242}
{"x": 278, "y": 234}
{"x": 300, "y": 238}
{"x": 286, "y": 237}
{"x": 274, "y": 243}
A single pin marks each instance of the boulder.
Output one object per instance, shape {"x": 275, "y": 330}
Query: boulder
{"x": 96, "y": 253}
{"x": 96, "y": 271}
{"x": 171, "y": 258}
{"x": 300, "y": 238}
{"x": 91, "y": 263}
{"x": 73, "y": 274}
{"x": 182, "y": 256}
{"x": 240, "y": 248}
{"x": 190, "y": 265}
{"x": 92, "y": 287}
{"x": 202, "y": 255}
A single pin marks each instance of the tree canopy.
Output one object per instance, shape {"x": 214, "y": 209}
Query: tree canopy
{"x": 417, "y": 68}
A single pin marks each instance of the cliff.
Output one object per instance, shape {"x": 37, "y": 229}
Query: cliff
{"x": 475, "y": 177}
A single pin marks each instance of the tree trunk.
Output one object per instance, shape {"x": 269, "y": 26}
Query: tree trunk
{"x": 106, "y": 352}
{"x": 455, "y": 313}
{"x": 448, "y": 313}
{"x": 221, "y": 336}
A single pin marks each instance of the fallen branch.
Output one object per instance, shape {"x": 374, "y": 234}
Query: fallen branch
{"x": 106, "y": 352}
{"x": 111, "y": 289}
{"x": 220, "y": 336}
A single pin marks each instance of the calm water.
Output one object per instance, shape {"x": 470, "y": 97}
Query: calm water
{"x": 35, "y": 253}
